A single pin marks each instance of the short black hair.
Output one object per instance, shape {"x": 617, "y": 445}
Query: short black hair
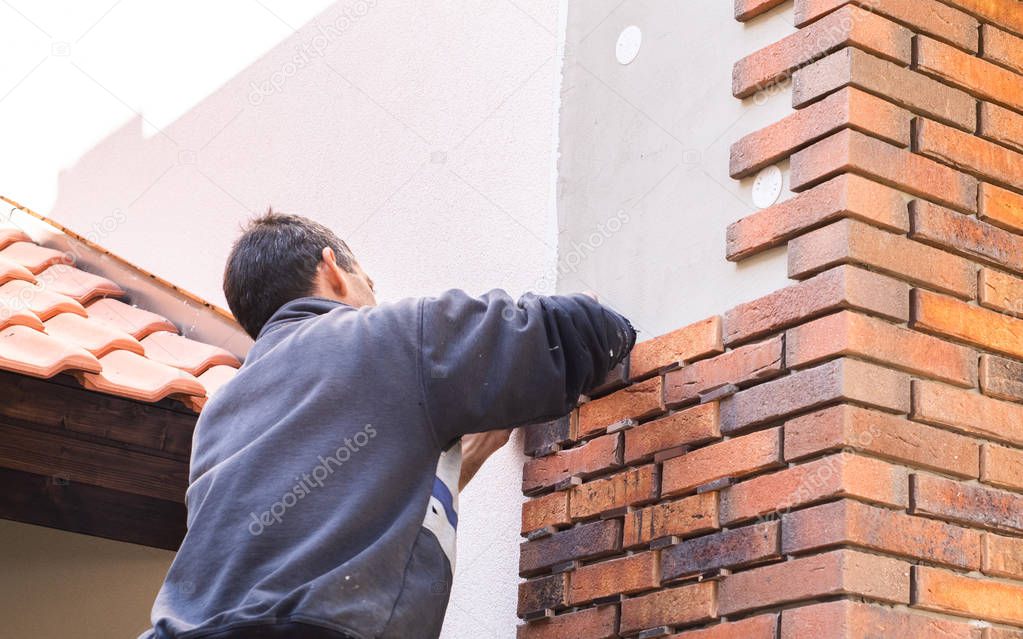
{"x": 273, "y": 262}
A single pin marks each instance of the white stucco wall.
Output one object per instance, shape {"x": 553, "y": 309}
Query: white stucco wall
{"x": 421, "y": 130}
{"x": 644, "y": 195}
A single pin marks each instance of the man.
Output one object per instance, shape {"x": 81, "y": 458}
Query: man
{"x": 322, "y": 498}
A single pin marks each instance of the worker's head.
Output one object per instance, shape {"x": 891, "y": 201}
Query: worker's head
{"x": 282, "y": 257}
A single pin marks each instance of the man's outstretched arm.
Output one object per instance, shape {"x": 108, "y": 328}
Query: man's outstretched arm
{"x": 492, "y": 363}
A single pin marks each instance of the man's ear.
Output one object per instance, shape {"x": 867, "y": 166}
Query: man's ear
{"x": 332, "y": 276}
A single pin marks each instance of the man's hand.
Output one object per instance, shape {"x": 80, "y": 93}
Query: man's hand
{"x": 476, "y": 448}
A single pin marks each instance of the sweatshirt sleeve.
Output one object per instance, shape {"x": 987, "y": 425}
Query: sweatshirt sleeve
{"x": 491, "y": 362}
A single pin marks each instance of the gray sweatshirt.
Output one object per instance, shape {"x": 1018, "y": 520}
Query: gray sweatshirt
{"x": 323, "y": 487}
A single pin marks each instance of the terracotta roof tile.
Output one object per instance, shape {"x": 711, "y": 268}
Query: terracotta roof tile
{"x": 78, "y": 284}
{"x": 132, "y": 375}
{"x": 132, "y": 320}
{"x": 21, "y": 295}
{"x": 11, "y": 270}
{"x": 32, "y": 256}
{"x": 187, "y": 354}
{"x": 45, "y": 330}
{"x": 26, "y": 350}
{"x": 10, "y": 234}
{"x": 95, "y": 337}
{"x": 216, "y": 377}
{"x": 212, "y": 380}
{"x": 18, "y": 317}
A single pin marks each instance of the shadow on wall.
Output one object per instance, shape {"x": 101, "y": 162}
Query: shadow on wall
{"x": 281, "y": 131}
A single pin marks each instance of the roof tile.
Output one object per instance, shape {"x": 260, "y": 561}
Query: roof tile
{"x": 212, "y": 380}
{"x": 11, "y": 270}
{"x": 10, "y": 234}
{"x": 20, "y": 317}
{"x": 78, "y": 284}
{"x": 28, "y": 351}
{"x": 96, "y": 337}
{"x": 135, "y": 321}
{"x": 216, "y": 377}
{"x": 45, "y": 330}
{"x": 187, "y": 354}
{"x": 132, "y": 375}
{"x": 34, "y": 257}
{"x": 21, "y": 295}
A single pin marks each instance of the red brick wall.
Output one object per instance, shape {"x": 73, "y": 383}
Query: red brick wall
{"x": 842, "y": 458}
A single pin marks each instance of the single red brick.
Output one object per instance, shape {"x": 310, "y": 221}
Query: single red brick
{"x": 682, "y": 345}
{"x": 626, "y": 575}
{"x": 1001, "y": 378}
{"x": 840, "y": 475}
{"x": 592, "y": 623}
{"x": 635, "y": 402}
{"x": 849, "y": 25}
{"x": 970, "y": 504}
{"x": 855, "y": 620}
{"x": 1004, "y": 14}
{"x": 759, "y": 627}
{"x": 1000, "y": 125}
{"x": 1000, "y": 207}
{"x": 544, "y": 593}
{"x": 946, "y": 316}
{"x": 690, "y": 426}
{"x": 728, "y": 549}
{"x": 850, "y": 150}
{"x": 895, "y": 438}
{"x": 967, "y": 72}
{"x": 928, "y": 16}
{"x": 834, "y": 289}
{"x": 965, "y": 234}
{"x": 847, "y": 195}
{"x": 586, "y": 541}
{"x": 615, "y": 379}
{"x": 969, "y": 153}
{"x": 838, "y": 572}
{"x": 848, "y": 333}
{"x": 851, "y": 241}
{"x": 684, "y": 517}
{"x": 594, "y": 456}
{"x": 850, "y": 523}
{"x": 952, "y": 593}
{"x": 1003, "y": 556}
{"x": 834, "y": 381}
{"x": 751, "y": 363}
{"x": 628, "y": 488}
{"x": 966, "y": 411}
{"x": 749, "y": 9}
{"x": 675, "y": 606}
{"x": 904, "y": 87}
{"x": 548, "y": 510}
{"x": 1001, "y": 292}
{"x": 1002, "y": 47}
{"x": 543, "y": 437}
{"x": 1001, "y": 466}
{"x": 847, "y": 107}
{"x": 736, "y": 457}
